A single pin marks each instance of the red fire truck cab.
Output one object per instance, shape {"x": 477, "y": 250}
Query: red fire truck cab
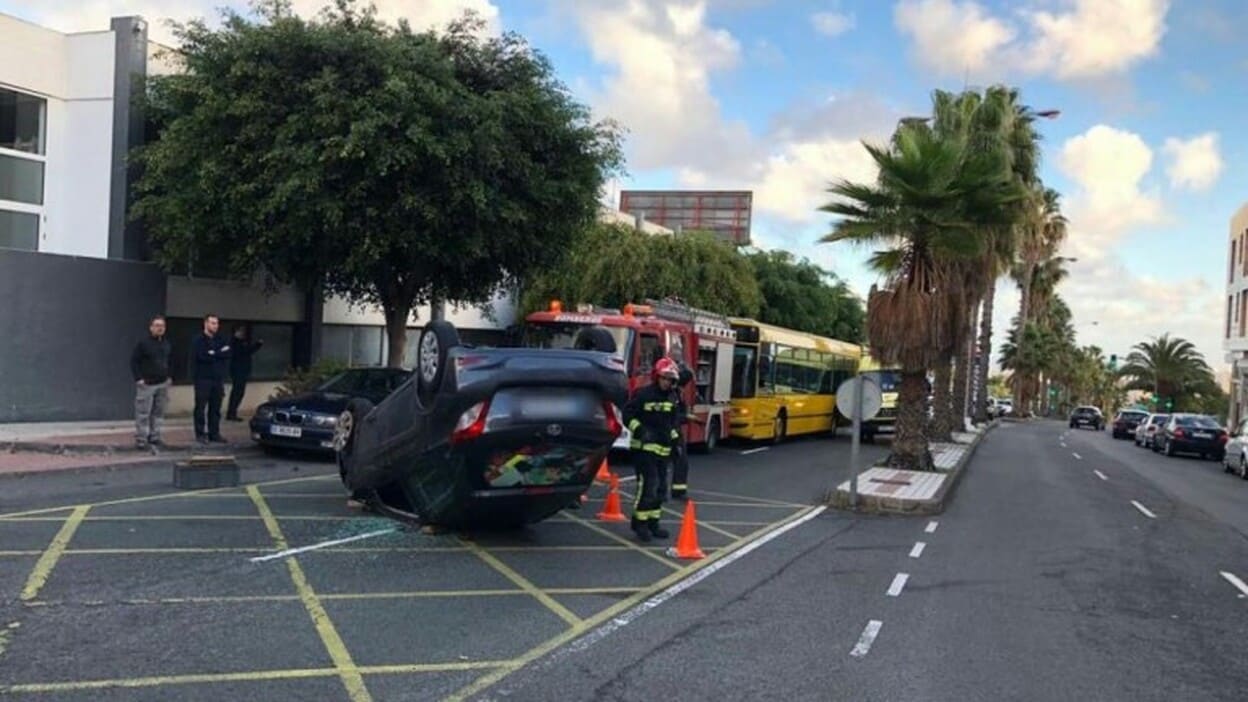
{"x": 698, "y": 340}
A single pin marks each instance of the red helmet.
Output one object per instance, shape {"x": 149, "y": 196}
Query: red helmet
{"x": 666, "y": 368}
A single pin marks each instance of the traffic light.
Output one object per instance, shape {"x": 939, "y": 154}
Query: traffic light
{"x": 1169, "y": 403}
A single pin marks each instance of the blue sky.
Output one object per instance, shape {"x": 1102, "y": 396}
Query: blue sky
{"x": 775, "y": 96}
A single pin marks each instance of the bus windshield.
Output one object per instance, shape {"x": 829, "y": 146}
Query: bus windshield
{"x": 744, "y": 371}
{"x": 561, "y": 335}
{"x": 888, "y": 380}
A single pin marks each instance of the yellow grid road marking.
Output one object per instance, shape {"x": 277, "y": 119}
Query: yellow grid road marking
{"x": 251, "y": 676}
{"x": 191, "y": 518}
{"x": 759, "y": 505}
{"x": 701, "y": 523}
{"x": 191, "y": 550}
{"x": 751, "y": 498}
{"x": 649, "y": 552}
{"x": 43, "y": 567}
{"x": 551, "y": 644}
{"x": 524, "y": 584}
{"x": 167, "y": 495}
{"x": 413, "y": 594}
{"x": 338, "y": 653}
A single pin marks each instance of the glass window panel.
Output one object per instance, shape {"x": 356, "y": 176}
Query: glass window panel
{"x": 21, "y": 122}
{"x": 19, "y": 230}
{"x": 366, "y": 346}
{"x": 273, "y": 360}
{"x": 21, "y": 180}
{"x": 336, "y": 343}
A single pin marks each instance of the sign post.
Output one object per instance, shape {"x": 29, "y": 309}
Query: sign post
{"x": 860, "y": 399}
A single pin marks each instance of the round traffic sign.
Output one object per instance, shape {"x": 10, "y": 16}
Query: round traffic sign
{"x": 872, "y": 398}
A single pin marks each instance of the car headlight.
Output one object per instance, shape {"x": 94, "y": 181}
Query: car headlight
{"x": 265, "y": 413}
{"x": 324, "y": 420}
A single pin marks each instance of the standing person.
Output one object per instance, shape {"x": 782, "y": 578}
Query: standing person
{"x": 240, "y": 370}
{"x": 212, "y": 356}
{"x": 651, "y": 417}
{"x": 149, "y": 364}
{"x": 680, "y": 459}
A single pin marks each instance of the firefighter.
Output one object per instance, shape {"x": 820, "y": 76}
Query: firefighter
{"x": 651, "y": 418}
{"x": 680, "y": 457}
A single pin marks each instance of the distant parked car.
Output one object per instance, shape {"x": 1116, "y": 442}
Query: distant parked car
{"x": 1191, "y": 433}
{"x": 1148, "y": 428}
{"x": 1126, "y": 422}
{"x": 307, "y": 421}
{"x": 1235, "y": 458}
{"x": 1087, "y": 416}
{"x": 1000, "y": 406}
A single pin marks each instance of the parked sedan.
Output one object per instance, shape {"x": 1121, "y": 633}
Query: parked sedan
{"x": 1087, "y": 416}
{"x": 1148, "y": 428}
{"x": 1236, "y": 458}
{"x": 1126, "y": 422}
{"x": 307, "y": 420}
{"x": 1191, "y": 433}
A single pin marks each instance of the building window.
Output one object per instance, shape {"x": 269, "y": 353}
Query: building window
{"x": 22, "y": 122}
{"x": 354, "y": 345}
{"x": 1231, "y": 273}
{"x": 270, "y": 363}
{"x": 21, "y": 180}
{"x": 1229, "y": 303}
{"x": 19, "y": 230}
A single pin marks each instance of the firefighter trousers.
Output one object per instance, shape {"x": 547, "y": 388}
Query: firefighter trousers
{"x": 680, "y": 471}
{"x": 647, "y": 507}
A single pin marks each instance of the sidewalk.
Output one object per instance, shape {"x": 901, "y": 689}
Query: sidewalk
{"x": 50, "y": 446}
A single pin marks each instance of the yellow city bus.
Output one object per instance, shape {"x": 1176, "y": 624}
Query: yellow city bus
{"x": 889, "y": 380}
{"x": 784, "y": 381}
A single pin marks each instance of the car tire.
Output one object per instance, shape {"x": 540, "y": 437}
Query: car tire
{"x": 780, "y": 428}
{"x": 344, "y": 436}
{"x": 1243, "y": 467}
{"x": 436, "y": 342}
{"x": 1169, "y": 449}
{"x": 596, "y": 338}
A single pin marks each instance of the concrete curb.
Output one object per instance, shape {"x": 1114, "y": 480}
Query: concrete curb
{"x": 86, "y": 449}
{"x": 167, "y": 458}
{"x": 873, "y": 504}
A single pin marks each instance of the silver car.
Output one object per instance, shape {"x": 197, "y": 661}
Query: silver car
{"x": 1235, "y": 459}
{"x": 1146, "y": 429}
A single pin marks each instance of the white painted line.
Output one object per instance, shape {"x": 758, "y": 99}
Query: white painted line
{"x": 931, "y": 527}
{"x": 899, "y": 583}
{"x": 867, "y": 638}
{"x": 918, "y": 549}
{"x": 755, "y": 450}
{"x": 1100, "y": 475}
{"x": 631, "y": 615}
{"x": 1143, "y": 509}
{"x": 323, "y": 544}
{"x": 627, "y": 478}
{"x": 1077, "y": 456}
{"x": 1239, "y": 584}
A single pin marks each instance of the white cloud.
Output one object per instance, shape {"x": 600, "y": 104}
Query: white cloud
{"x": 832, "y": 24}
{"x": 794, "y": 182}
{"x": 1108, "y": 165}
{"x": 1084, "y": 40}
{"x": 94, "y": 15}
{"x": 1195, "y": 163}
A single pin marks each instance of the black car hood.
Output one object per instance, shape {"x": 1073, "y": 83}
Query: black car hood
{"x": 323, "y": 402}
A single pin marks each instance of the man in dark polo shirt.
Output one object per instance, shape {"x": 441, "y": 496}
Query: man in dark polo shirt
{"x": 149, "y": 364}
{"x": 211, "y": 356}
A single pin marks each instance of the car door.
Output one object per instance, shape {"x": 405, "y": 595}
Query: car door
{"x": 1235, "y": 447}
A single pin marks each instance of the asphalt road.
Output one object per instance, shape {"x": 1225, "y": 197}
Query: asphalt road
{"x": 115, "y": 586}
{"x": 1043, "y": 581}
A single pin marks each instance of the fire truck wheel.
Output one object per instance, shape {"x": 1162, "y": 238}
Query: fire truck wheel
{"x": 712, "y": 436}
{"x": 595, "y": 339}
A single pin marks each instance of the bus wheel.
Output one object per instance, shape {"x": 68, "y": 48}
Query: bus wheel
{"x": 712, "y": 437}
{"x": 780, "y": 428}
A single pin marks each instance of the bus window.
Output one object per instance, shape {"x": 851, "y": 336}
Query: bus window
{"x": 744, "y": 371}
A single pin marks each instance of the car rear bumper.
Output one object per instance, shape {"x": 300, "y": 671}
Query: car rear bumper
{"x": 1212, "y": 448}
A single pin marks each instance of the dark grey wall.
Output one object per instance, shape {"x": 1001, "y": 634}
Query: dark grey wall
{"x": 67, "y": 326}
{"x": 125, "y": 237}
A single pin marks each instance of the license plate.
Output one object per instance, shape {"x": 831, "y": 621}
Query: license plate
{"x": 550, "y": 407}
{"x": 292, "y": 432}
{"x": 1202, "y": 435}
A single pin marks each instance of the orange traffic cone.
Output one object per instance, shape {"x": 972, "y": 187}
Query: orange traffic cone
{"x": 611, "y": 510}
{"x": 687, "y": 543}
{"x": 604, "y": 473}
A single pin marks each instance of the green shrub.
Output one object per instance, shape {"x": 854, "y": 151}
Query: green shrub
{"x": 299, "y": 380}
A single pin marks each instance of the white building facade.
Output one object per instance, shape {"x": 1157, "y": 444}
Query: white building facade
{"x": 1235, "y": 322}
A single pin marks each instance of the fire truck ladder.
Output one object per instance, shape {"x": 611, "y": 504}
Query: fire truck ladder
{"x": 704, "y": 321}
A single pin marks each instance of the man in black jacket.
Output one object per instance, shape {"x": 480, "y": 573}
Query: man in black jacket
{"x": 651, "y": 418}
{"x": 149, "y": 364}
{"x": 211, "y": 357}
{"x": 240, "y": 370}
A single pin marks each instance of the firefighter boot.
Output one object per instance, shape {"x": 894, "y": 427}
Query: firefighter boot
{"x": 639, "y": 528}
{"x": 657, "y": 531}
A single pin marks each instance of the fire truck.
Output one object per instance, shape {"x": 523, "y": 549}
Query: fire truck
{"x": 697, "y": 340}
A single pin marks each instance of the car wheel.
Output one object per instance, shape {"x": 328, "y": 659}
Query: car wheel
{"x": 344, "y": 435}
{"x": 595, "y": 338}
{"x": 780, "y": 428}
{"x": 1226, "y": 463}
{"x": 1169, "y": 449}
{"x": 1243, "y": 467}
{"x": 436, "y": 342}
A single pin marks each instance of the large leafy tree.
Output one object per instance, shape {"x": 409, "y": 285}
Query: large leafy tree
{"x": 923, "y": 212}
{"x": 800, "y": 295}
{"x": 1169, "y": 367}
{"x": 386, "y": 165}
{"x": 613, "y": 264}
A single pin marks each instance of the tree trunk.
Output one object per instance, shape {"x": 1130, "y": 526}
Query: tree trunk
{"x": 962, "y": 373}
{"x": 910, "y": 441}
{"x": 397, "y": 314}
{"x": 985, "y": 355}
{"x": 1024, "y": 314}
{"x": 944, "y": 417}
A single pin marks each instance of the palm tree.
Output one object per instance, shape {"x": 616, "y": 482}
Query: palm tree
{"x": 923, "y": 210}
{"x": 1040, "y": 235}
{"x": 1170, "y": 367}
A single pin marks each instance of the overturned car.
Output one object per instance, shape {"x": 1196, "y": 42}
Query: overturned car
{"x": 485, "y": 437}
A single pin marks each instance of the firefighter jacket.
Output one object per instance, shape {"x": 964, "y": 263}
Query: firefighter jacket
{"x": 654, "y": 420}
